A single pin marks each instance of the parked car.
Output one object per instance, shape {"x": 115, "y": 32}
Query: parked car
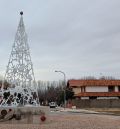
{"x": 52, "y": 104}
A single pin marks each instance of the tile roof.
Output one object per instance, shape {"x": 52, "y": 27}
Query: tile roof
{"x": 79, "y": 83}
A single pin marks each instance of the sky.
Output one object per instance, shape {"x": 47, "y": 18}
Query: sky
{"x": 79, "y": 37}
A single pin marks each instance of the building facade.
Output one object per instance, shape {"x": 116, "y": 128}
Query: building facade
{"x": 95, "y": 88}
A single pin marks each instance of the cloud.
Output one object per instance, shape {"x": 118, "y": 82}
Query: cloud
{"x": 76, "y": 36}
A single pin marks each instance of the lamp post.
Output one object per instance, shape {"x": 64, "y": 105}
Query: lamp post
{"x": 62, "y": 87}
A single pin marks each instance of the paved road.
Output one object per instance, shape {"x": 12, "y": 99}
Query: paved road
{"x": 68, "y": 120}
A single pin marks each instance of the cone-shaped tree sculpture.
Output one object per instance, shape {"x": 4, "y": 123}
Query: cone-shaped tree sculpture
{"x": 19, "y": 73}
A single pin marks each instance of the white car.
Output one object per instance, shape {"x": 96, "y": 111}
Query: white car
{"x": 52, "y": 104}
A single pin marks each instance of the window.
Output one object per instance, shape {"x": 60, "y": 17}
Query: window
{"x": 111, "y": 88}
{"x": 82, "y": 89}
{"x": 118, "y": 88}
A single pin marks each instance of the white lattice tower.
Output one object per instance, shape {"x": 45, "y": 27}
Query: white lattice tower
{"x": 20, "y": 68}
{"x": 19, "y": 73}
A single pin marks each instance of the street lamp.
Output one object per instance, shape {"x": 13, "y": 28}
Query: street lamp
{"x": 62, "y": 87}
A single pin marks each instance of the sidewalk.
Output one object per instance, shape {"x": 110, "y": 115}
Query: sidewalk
{"x": 85, "y": 111}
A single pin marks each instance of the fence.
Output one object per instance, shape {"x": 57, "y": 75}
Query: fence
{"x": 102, "y": 103}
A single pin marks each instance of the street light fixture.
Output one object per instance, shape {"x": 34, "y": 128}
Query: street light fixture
{"x": 62, "y": 87}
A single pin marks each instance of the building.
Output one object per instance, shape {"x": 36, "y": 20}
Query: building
{"x": 95, "y": 88}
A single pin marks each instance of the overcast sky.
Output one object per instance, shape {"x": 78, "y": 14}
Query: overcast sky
{"x": 78, "y": 37}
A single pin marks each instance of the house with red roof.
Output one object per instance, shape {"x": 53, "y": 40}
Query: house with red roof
{"x": 95, "y": 88}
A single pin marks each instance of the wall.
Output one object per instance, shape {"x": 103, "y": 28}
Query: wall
{"x": 105, "y": 103}
{"x": 77, "y": 90}
{"x": 94, "y": 89}
{"x": 116, "y": 88}
{"x": 97, "y": 89}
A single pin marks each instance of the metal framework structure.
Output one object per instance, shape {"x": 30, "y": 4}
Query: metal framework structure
{"x": 19, "y": 74}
